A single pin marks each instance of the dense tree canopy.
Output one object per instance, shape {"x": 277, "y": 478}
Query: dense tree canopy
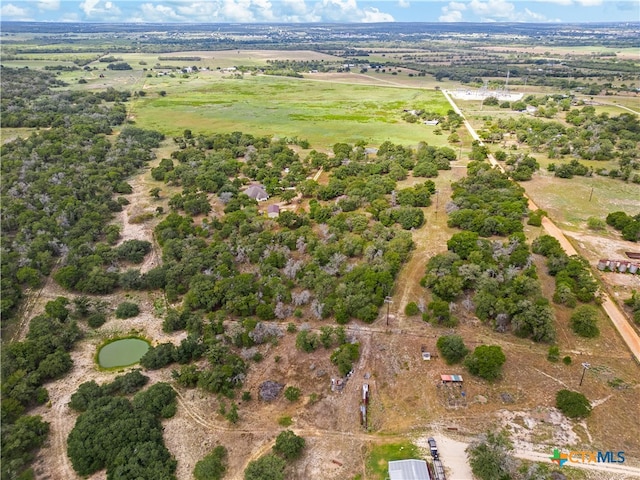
{"x": 268, "y": 467}
{"x": 213, "y": 466}
{"x": 452, "y": 348}
{"x": 121, "y": 436}
{"x": 59, "y": 184}
{"x": 289, "y": 445}
{"x": 573, "y": 404}
{"x": 486, "y": 361}
{"x": 490, "y": 457}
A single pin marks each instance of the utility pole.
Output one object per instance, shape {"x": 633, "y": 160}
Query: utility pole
{"x": 388, "y": 301}
{"x": 585, "y": 367}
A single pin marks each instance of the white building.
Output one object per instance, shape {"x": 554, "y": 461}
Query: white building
{"x": 408, "y": 470}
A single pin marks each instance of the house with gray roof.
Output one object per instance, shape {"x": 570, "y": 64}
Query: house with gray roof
{"x": 257, "y": 192}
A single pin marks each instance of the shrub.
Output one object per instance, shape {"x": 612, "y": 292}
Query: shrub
{"x": 307, "y": 341}
{"x": 486, "y": 361}
{"x": 440, "y": 314}
{"x": 411, "y": 309}
{"x": 554, "y": 353}
{"x": 452, "y": 348}
{"x": 584, "y": 321}
{"x": 292, "y": 394}
{"x": 285, "y": 421}
{"x": 289, "y": 445}
{"x": 566, "y": 360}
{"x": 213, "y": 466}
{"x": 490, "y": 457}
{"x": 344, "y": 357}
{"x": 573, "y": 404}
{"x": 96, "y": 320}
{"x": 594, "y": 223}
{"x": 127, "y": 310}
{"x": 535, "y": 218}
{"x": 269, "y": 467}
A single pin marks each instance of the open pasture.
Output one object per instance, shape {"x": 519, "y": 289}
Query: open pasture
{"x": 572, "y": 50}
{"x": 322, "y": 112}
{"x": 226, "y": 58}
{"x": 567, "y": 201}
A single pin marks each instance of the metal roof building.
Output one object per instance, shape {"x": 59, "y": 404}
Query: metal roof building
{"x": 408, "y": 470}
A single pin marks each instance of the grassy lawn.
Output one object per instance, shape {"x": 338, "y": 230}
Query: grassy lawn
{"x": 377, "y": 463}
{"x": 322, "y": 112}
{"x": 567, "y": 200}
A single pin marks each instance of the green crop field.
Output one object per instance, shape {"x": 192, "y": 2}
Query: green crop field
{"x": 322, "y": 112}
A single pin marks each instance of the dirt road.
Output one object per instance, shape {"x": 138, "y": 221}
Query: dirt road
{"x": 617, "y": 316}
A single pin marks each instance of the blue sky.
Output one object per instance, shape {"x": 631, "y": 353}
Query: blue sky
{"x": 296, "y": 11}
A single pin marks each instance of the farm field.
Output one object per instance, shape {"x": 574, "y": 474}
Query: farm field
{"x": 319, "y": 111}
{"x": 408, "y": 401}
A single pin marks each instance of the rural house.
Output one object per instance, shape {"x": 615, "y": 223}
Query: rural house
{"x": 257, "y": 192}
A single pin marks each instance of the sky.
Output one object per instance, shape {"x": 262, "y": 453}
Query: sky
{"x": 300, "y": 11}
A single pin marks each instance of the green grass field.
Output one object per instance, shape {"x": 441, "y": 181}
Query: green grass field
{"x": 322, "y": 112}
{"x": 567, "y": 200}
{"x": 377, "y": 463}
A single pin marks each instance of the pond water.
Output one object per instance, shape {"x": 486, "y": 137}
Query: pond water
{"x": 122, "y": 353}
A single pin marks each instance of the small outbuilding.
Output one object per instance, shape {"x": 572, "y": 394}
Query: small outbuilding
{"x": 273, "y": 211}
{"x": 408, "y": 470}
{"x": 449, "y": 379}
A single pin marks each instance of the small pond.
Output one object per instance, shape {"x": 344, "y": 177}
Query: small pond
{"x": 122, "y": 353}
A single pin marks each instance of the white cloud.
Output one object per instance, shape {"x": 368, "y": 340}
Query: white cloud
{"x": 373, "y": 15}
{"x": 348, "y": 11}
{"x": 584, "y": 3}
{"x": 237, "y": 11}
{"x": 452, "y": 12}
{"x": 453, "y": 16}
{"x": 493, "y": 9}
{"x": 297, "y": 11}
{"x": 48, "y": 4}
{"x": 457, "y": 6}
{"x": 199, "y": 11}
{"x": 107, "y": 11}
{"x": 246, "y": 11}
{"x": 298, "y": 7}
{"x": 158, "y": 13}
{"x": 13, "y": 12}
{"x": 534, "y": 17}
{"x": 264, "y": 10}
{"x": 403, "y": 4}
{"x": 89, "y": 6}
{"x": 557, "y": 2}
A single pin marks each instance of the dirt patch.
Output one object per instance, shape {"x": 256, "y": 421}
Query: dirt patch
{"x": 452, "y": 455}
